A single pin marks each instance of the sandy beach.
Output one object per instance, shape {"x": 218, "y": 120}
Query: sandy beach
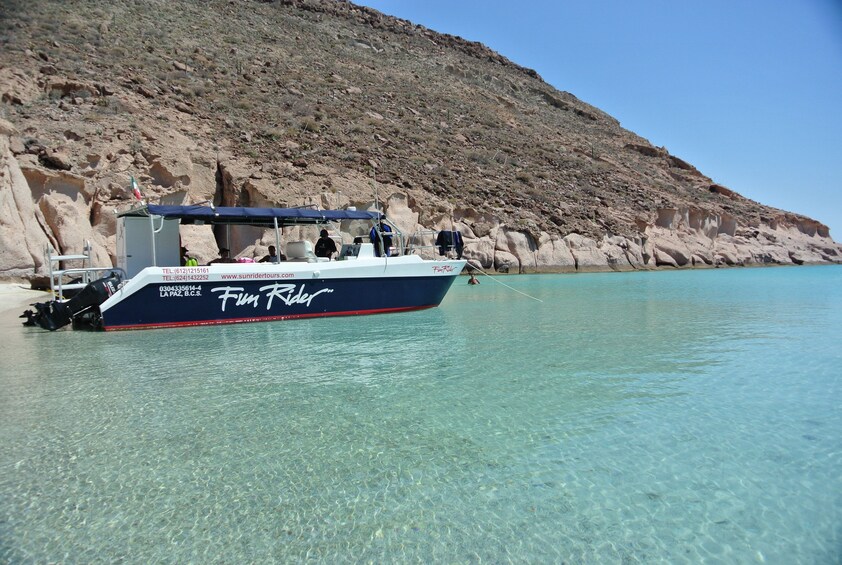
{"x": 12, "y": 294}
{"x": 15, "y": 298}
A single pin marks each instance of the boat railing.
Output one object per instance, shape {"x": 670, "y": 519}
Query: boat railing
{"x": 421, "y": 242}
{"x": 86, "y": 276}
{"x": 80, "y": 277}
{"x": 424, "y": 242}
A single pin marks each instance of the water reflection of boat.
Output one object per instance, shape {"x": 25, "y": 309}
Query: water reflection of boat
{"x": 150, "y": 289}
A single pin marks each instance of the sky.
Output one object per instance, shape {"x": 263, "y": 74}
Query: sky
{"x": 748, "y": 91}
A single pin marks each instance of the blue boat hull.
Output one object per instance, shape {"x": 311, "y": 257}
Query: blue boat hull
{"x": 206, "y": 303}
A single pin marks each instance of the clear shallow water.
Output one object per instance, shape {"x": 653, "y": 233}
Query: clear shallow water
{"x": 642, "y": 417}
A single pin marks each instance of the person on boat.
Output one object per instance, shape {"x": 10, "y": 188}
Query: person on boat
{"x": 188, "y": 260}
{"x": 224, "y": 257}
{"x": 325, "y": 246}
{"x": 273, "y": 257}
{"x": 380, "y": 236}
{"x": 447, "y": 240}
{"x": 473, "y": 279}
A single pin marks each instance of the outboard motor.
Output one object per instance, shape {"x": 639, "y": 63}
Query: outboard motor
{"x": 54, "y": 315}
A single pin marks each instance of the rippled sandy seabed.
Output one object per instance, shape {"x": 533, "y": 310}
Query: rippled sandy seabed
{"x": 676, "y": 417}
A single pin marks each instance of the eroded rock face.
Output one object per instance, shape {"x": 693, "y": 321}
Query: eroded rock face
{"x": 69, "y": 222}
{"x": 670, "y": 248}
{"x": 22, "y": 241}
{"x": 66, "y": 206}
{"x": 619, "y": 253}
{"x": 515, "y": 249}
{"x": 683, "y": 238}
{"x": 554, "y": 253}
{"x": 586, "y": 252}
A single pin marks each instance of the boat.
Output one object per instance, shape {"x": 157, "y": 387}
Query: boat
{"x": 149, "y": 287}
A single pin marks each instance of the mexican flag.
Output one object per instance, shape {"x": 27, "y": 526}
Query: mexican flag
{"x": 136, "y": 190}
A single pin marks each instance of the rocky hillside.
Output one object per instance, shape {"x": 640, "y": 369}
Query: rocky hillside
{"x": 321, "y": 102}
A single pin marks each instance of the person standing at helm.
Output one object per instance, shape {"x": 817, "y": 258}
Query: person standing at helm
{"x": 381, "y": 236}
{"x": 325, "y": 246}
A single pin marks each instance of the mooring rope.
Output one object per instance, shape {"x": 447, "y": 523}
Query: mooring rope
{"x": 472, "y": 266}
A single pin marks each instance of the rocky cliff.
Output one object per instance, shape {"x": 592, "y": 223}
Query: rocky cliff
{"x": 325, "y": 103}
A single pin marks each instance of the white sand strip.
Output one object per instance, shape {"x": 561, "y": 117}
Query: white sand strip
{"x": 19, "y": 295}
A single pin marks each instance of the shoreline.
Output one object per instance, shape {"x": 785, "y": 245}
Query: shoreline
{"x": 18, "y": 294}
{"x": 661, "y": 268}
{"x": 15, "y": 295}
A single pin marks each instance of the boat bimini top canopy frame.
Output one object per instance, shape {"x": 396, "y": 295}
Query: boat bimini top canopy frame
{"x": 261, "y": 217}
{"x": 267, "y": 218}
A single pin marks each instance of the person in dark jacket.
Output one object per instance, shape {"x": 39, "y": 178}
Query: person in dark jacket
{"x": 381, "y": 236}
{"x": 447, "y": 240}
{"x": 325, "y": 246}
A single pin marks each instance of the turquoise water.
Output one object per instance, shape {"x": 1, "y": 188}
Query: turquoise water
{"x": 689, "y": 416}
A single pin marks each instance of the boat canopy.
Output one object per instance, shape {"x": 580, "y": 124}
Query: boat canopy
{"x": 264, "y": 217}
